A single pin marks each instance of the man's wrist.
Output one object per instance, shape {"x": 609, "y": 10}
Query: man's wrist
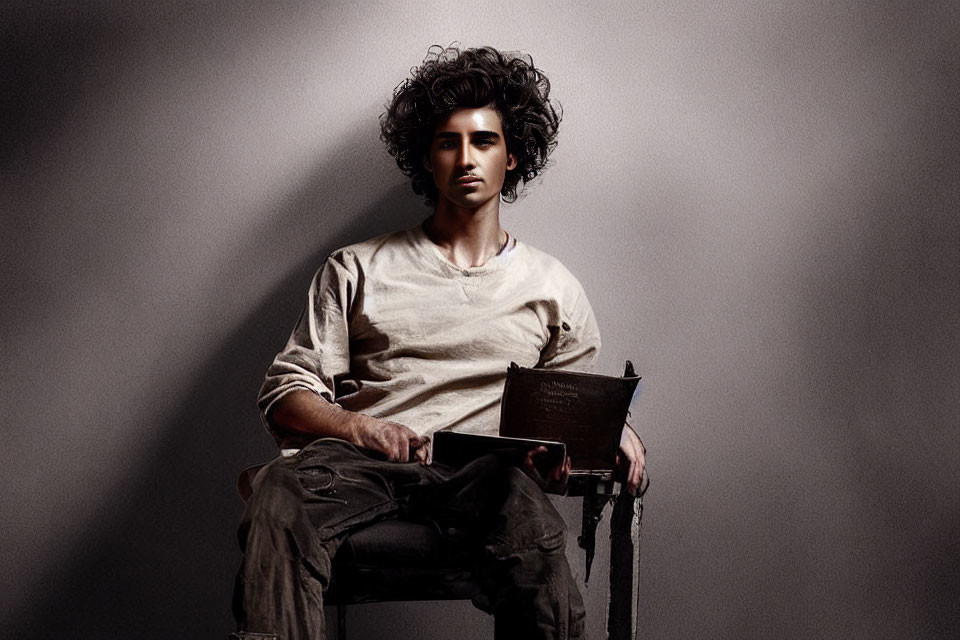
{"x": 354, "y": 424}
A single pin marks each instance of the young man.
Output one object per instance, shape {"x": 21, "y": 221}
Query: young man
{"x": 410, "y": 333}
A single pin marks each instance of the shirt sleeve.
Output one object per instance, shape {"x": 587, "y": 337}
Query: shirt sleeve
{"x": 575, "y": 342}
{"x": 318, "y": 350}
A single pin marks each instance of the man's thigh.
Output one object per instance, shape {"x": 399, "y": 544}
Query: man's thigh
{"x": 334, "y": 485}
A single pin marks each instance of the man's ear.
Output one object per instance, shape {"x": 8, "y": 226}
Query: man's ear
{"x": 511, "y": 162}
{"x": 425, "y": 160}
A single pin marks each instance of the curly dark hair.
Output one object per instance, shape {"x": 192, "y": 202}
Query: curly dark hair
{"x": 450, "y": 79}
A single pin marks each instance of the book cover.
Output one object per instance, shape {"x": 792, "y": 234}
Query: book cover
{"x": 583, "y": 410}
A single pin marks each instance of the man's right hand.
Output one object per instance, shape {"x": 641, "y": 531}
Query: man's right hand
{"x": 392, "y": 439}
{"x": 303, "y": 416}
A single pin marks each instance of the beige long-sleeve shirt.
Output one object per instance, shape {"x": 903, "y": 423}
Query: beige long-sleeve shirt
{"x": 394, "y": 330}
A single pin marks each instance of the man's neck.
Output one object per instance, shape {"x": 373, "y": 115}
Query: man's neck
{"x": 466, "y": 237}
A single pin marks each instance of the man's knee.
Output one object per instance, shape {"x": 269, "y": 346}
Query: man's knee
{"x": 531, "y": 523}
{"x": 274, "y": 502}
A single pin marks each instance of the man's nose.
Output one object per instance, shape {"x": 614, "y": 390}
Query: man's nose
{"x": 465, "y": 156}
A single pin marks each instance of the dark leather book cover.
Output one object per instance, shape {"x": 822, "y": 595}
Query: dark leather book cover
{"x": 583, "y": 410}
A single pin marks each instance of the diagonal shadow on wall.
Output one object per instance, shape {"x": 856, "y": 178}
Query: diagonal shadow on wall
{"x": 166, "y": 568}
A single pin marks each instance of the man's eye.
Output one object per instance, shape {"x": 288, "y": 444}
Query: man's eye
{"x": 445, "y": 145}
{"x": 484, "y": 143}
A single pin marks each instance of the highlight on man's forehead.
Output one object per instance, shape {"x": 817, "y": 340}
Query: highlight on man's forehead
{"x": 478, "y": 121}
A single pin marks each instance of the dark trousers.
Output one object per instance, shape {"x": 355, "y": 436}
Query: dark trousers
{"x": 303, "y": 506}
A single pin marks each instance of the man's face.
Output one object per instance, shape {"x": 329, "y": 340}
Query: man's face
{"x": 468, "y": 157}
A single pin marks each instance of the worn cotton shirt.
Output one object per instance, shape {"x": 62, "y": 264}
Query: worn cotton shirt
{"x": 394, "y": 330}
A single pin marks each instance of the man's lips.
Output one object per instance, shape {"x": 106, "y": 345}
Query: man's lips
{"x": 468, "y": 180}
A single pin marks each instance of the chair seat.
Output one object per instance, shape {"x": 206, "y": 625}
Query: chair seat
{"x": 394, "y": 560}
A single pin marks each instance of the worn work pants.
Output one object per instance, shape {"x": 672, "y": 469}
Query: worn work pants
{"x": 303, "y": 506}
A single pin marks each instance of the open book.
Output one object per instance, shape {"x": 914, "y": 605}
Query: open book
{"x": 571, "y": 413}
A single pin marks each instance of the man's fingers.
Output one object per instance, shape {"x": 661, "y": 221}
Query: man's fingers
{"x": 562, "y": 475}
{"x": 390, "y": 445}
{"x": 403, "y": 447}
{"x": 418, "y": 444}
{"x": 394, "y": 442}
{"x": 422, "y": 451}
{"x": 631, "y": 460}
{"x": 529, "y": 462}
{"x": 641, "y": 465}
{"x": 397, "y": 440}
{"x": 632, "y": 482}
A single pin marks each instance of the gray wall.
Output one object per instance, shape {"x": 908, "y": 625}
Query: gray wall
{"x": 759, "y": 197}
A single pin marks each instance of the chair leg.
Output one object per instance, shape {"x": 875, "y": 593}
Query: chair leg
{"x": 341, "y": 622}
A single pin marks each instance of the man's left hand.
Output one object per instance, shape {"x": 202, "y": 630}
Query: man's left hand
{"x": 556, "y": 480}
{"x": 631, "y": 459}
